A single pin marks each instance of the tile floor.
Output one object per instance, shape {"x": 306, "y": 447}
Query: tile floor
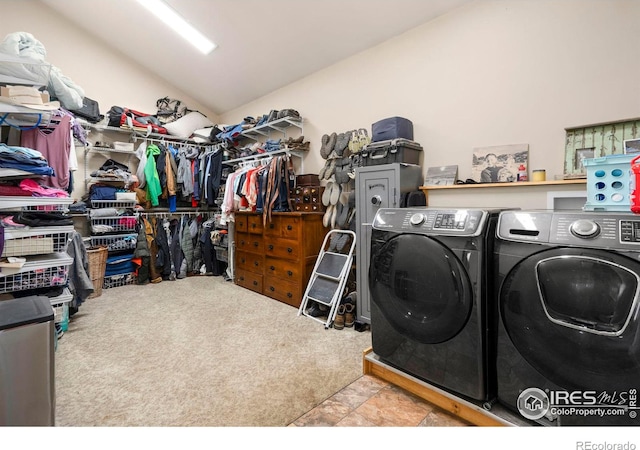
{"x": 372, "y": 402}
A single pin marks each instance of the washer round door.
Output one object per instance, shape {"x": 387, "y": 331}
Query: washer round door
{"x": 572, "y": 315}
{"x": 421, "y": 287}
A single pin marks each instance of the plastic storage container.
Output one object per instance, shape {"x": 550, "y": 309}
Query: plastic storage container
{"x": 27, "y": 371}
{"x": 392, "y": 128}
{"x": 393, "y": 151}
{"x": 608, "y": 183}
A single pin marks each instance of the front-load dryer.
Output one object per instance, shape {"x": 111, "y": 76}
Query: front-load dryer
{"x": 431, "y": 314}
{"x": 568, "y": 285}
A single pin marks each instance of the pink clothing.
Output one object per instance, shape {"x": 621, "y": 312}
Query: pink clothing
{"x": 36, "y": 190}
{"x": 55, "y": 145}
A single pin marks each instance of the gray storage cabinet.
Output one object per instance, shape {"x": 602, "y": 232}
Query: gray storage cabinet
{"x": 377, "y": 187}
{"x": 27, "y": 382}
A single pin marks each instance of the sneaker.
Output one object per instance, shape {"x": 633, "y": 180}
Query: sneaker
{"x": 338, "y": 322}
{"x": 317, "y": 310}
{"x": 349, "y": 314}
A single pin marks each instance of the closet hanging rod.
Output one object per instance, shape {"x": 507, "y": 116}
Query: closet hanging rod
{"x": 166, "y": 214}
{"x": 169, "y": 140}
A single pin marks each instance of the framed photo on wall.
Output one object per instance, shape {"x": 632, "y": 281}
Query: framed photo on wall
{"x": 500, "y": 163}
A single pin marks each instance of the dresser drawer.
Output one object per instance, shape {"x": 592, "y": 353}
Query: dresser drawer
{"x": 284, "y": 227}
{"x": 246, "y": 242}
{"x": 241, "y": 223}
{"x": 282, "y": 269}
{"x": 249, "y": 280}
{"x": 252, "y": 262}
{"x": 282, "y": 248}
{"x": 289, "y": 293}
{"x": 255, "y": 224}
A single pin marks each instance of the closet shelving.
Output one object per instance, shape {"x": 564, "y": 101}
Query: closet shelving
{"x": 130, "y": 135}
{"x": 44, "y": 251}
{"x": 43, "y": 248}
{"x": 268, "y": 131}
{"x": 117, "y": 232}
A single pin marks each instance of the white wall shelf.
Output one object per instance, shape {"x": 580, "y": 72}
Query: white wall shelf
{"x": 266, "y": 130}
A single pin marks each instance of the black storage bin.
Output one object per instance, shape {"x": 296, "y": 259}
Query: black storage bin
{"x": 392, "y": 151}
{"x": 392, "y": 128}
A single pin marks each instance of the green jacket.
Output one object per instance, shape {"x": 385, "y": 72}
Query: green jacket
{"x": 154, "y": 190}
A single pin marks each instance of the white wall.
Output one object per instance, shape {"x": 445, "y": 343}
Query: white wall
{"x": 490, "y": 73}
{"x": 106, "y": 76}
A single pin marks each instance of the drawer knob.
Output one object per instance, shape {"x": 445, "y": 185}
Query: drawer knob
{"x": 242, "y": 242}
{"x": 289, "y": 294}
{"x": 289, "y": 249}
{"x": 255, "y": 244}
{"x": 242, "y": 260}
{"x": 272, "y": 268}
{"x": 241, "y": 278}
{"x": 256, "y": 263}
{"x": 271, "y": 226}
{"x": 255, "y": 283}
{"x": 253, "y": 225}
{"x": 289, "y": 227}
{"x": 271, "y": 288}
{"x": 270, "y": 246}
{"x": 290, "y": 273}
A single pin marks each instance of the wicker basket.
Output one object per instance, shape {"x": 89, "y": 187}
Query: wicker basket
{"x": 97, "y": 267}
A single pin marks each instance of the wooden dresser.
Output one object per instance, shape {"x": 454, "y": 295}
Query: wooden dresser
{"x": 277, "y": 260}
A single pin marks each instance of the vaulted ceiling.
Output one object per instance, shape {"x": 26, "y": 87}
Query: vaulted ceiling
{"x": 263, "y": 44}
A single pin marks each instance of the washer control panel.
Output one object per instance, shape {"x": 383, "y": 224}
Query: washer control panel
{"x": 630, "y": 231}
{"x": 450, "y": 222}
{"x": 582, "y": 229}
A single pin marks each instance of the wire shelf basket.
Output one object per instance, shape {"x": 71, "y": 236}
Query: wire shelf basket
{"x": 36, "y": 241}
{"x": 119, "y": 204}
{"x": 222, "y": 253}
{"x": 38, "y": 272}
{"x": 115, "y": 242}
{"x": 119, "y": 280}
{"x": 119, "y": 224}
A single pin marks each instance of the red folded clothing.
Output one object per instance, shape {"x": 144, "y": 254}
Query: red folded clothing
{"x": 13, "y": 190}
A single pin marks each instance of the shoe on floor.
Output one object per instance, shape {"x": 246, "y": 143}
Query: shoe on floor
{"x": 338, "y": 322}
{"x": 349, "y": 314}
{"x": 317, "y": 310}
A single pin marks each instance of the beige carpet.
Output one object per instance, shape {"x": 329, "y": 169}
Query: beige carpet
{"x": 197, "y": 352}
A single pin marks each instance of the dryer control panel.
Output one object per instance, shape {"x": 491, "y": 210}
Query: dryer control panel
{"x": 444, "y": 222}
{"x": 580, "y": 229}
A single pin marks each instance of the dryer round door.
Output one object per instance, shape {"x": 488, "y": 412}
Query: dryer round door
{"x": 421, "y": 287}
{"x": 572, "y": 315}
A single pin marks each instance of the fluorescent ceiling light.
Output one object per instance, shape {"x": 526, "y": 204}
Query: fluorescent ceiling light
{"x": 176, "y": 22}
